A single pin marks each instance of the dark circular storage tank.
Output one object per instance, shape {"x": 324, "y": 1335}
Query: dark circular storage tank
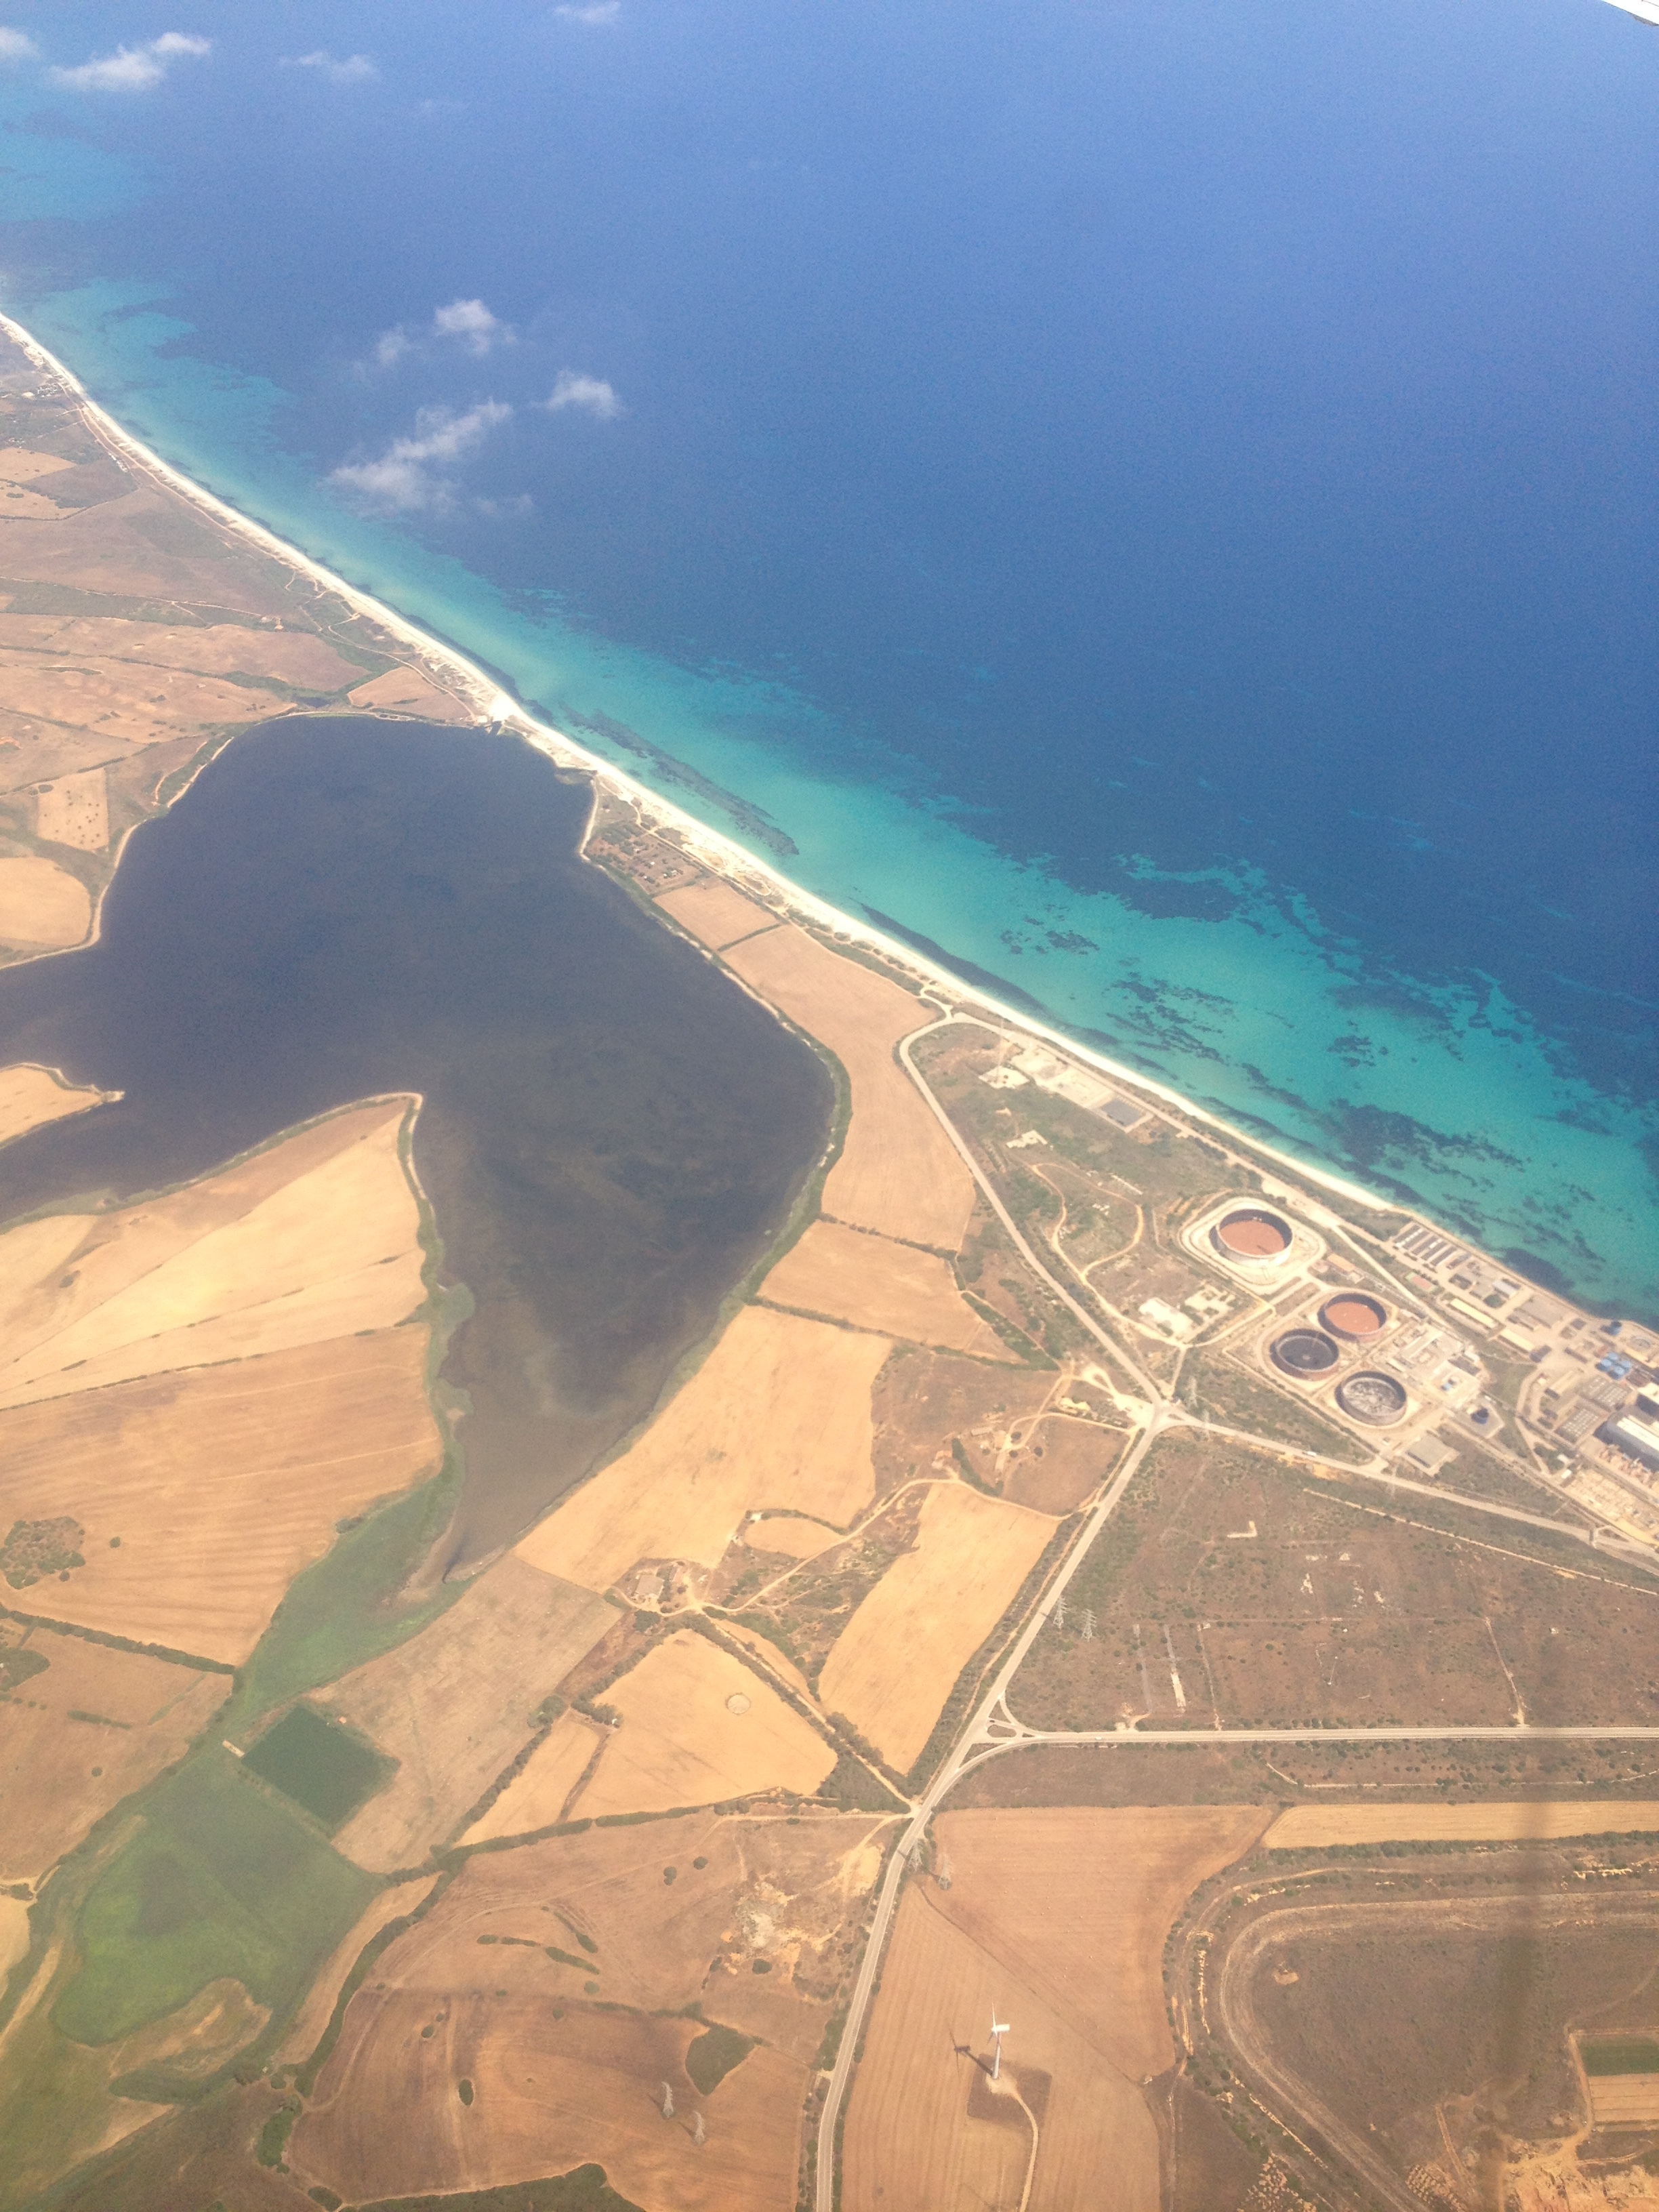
{"x": 1250, "y": 1232}
{"x": 1376, "y": 1399}
{"x": 1305, "y": 1353}
{"x": 1354, "y": 1316}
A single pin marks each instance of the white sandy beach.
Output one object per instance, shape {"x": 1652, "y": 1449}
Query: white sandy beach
{"x": 720, "y": 855}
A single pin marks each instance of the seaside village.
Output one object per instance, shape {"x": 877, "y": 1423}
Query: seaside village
{"x": 1422, "y": 1346}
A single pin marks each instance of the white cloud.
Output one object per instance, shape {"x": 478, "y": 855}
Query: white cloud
{"x": 16, "y": 46}
{"x": 350, "y": 71}
{"x": 472, "y": 322}
{"x": 408, "y": 475}
{"x": 596, "y": 11}
{"x": 132, "y": 68}
{"x": 391, "y": 347}
{"x": 592, "y": 394}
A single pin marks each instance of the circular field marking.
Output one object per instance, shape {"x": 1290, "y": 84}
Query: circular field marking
{"x": 737, "y": 1703}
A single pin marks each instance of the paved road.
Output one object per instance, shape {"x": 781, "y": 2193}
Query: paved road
{"x": 992, "y": 1729}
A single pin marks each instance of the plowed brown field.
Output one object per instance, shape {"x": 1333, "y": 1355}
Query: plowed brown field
{"x": 681, "y": 1744}
{"x": 31, "y": 1096}
{"x": 77, "y": 1738}
{"x": 220, "y": 1485}
{"x": 778, "y": 1414}
{"x": 41, "y": 905}
{"x": 898, "y": 1171}
{"x": 455, "y": 1703}
{"x": 897, "y": 1661}
{"x": 878, "y": 1284}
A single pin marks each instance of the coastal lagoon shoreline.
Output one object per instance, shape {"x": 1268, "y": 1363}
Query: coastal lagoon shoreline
{"x": 492, "y": 705}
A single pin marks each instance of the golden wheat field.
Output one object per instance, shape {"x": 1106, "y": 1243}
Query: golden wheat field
{"x": 199, "y": 1498}
{"x": 537, "y": 1797}
{"x": 699, "y": 1727}
{"x": 778, "y": 1414}
{"x": 715, "y": 912}
{"x": 31, "y": 1096}
{"x": 898, "y": 1290}
{"x": 898, "y": 1171}
{"x": 42, "y": 906}
{"x": 316, "y": 1237}
{"x": 897, "y": 1661}
{"x": 1306, "y": 1827}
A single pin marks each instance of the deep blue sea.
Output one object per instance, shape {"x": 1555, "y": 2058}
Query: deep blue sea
{"x": 1154, "y": 497}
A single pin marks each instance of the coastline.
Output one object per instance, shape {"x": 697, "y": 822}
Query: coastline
{"x": 447, "y": 665}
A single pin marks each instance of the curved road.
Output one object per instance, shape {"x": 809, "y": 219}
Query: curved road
{"x": 992, "y": 1729}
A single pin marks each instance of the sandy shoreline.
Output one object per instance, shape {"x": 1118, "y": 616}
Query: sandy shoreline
{"x": 720, "y": 855}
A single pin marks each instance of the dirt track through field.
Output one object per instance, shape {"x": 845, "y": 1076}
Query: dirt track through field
{"x": 898, "y": 1660}
{"x": 778, "y": 1414}
{"x": 875, "y": 1284}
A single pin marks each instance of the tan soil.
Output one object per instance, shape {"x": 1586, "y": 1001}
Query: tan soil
{"x": 1082, "y": 1900}
{"x": 41, "y": 905}
{"x": 227, "y": 1269}
{"x": 536, "y": 1798}
{"x": 408, "y": 691}
{"x": 680, "y": 1744}
{"x": 898, "y": 1660}
{"x": 75, "y": 811}
{"x": 18, "y": 464}
{"x": 19, "y": 506}
{"x": 126, "y": 702}
{"x": 875, "y": 1284}
{"x": 716, "y": 913}
{"x": 32, "y": 1097}
{"x": 1062, "y": 1463}
{"x": 76, "y": 1740}
{"x": 791, "y": 1537}
{"x": 1315, "y": 1826}
{"x": 220, "y": 1485}
{"x": 778, "y": 1414}
{"x": 898, "y": 1171}
{"x": 551, "y": 2092}
{"x": 920, "y": 2130}
{"x": 292, "y": 656}
{"x": 455, "y": 1705}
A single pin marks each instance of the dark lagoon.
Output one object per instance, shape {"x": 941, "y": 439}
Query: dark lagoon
{"x": 612, "y": 1131}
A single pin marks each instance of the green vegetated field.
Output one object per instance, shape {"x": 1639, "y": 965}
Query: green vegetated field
{"x": 714, "y": 2054}
{"x": 1620, "y": 2054}
{"x": 220, "y": 1881}
{"x": 1333, "y": 1612}
{"x": 320, "y": 1765}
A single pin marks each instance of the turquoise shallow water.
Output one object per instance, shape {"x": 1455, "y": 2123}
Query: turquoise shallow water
{"x": 1067, "y": 870}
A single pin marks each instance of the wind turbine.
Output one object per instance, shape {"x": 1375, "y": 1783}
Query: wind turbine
{"x": 999, "y": 2029}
